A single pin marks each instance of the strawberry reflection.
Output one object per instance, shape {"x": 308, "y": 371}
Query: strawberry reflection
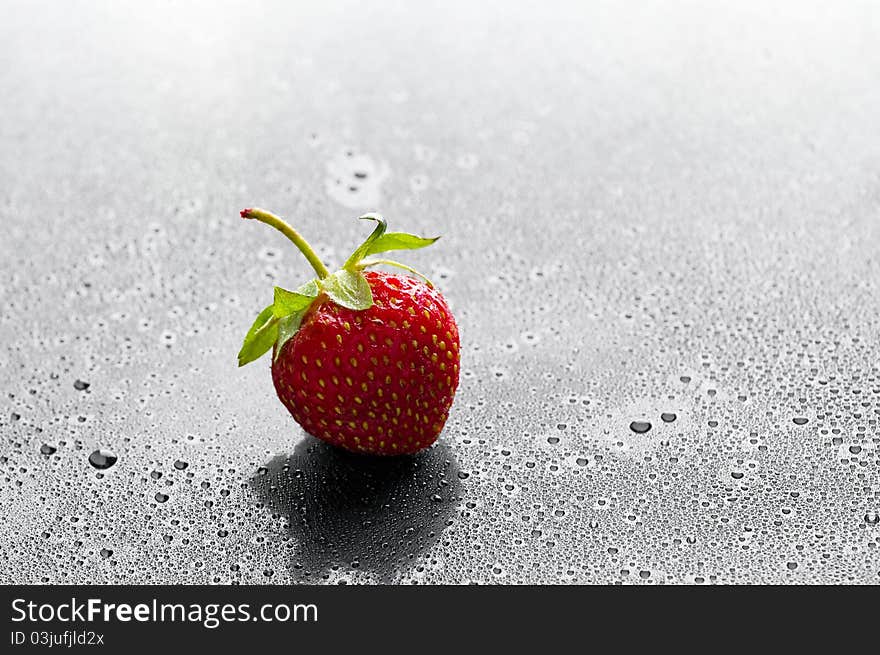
{"x": 349, "y": 512}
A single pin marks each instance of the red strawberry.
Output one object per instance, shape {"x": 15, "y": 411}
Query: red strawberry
{"x": 365, "y": 361}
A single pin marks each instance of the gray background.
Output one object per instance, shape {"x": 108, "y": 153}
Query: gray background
{"x": 646, "y": 207}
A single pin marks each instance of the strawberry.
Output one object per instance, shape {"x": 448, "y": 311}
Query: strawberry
{"x": 367, "y": 361}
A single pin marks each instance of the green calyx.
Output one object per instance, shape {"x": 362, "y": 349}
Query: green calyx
{"x": 347, "y": 287}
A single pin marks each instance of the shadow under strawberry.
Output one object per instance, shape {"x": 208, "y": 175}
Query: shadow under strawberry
{"x": 346, "y": 511}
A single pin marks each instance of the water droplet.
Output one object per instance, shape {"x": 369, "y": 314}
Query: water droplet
{"x": 668, "y": 417}
{"x": 102, "y": 458}
{"x": 79, "y": 385}
{"x": 180, "y": 464}
{"x": 106, "y": 552}
{"x": 47, "y": 449}
{"x": 640, "y": 427}
{"x": 799, "y": 420}
{"x": 160, "y": 497}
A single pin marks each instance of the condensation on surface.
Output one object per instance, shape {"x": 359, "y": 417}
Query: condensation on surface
{"x": 354, "y": 180}
{"x": 660, "y": 243}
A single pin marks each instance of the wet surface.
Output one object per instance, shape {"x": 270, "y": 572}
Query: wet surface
{"x": 334, "y": 503}
{"x": 660, "y": 226}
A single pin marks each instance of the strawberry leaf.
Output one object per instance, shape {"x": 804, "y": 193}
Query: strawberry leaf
{"x": 260, "y": 337}
{"x": 366, "y": 263}
{"x": 287, "y": 329}
{"x": 362, "y": 249}
{"x": 310, "y": 289}
{"x": 398, "y": 241}
{"x": 288, "y": 302}
{"x": 349, "y": 289}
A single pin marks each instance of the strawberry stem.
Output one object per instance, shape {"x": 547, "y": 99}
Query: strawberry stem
{"x": 282, "y": 226}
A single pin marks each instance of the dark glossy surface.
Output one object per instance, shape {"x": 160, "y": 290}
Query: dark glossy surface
{"x": 646, "y": 210}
